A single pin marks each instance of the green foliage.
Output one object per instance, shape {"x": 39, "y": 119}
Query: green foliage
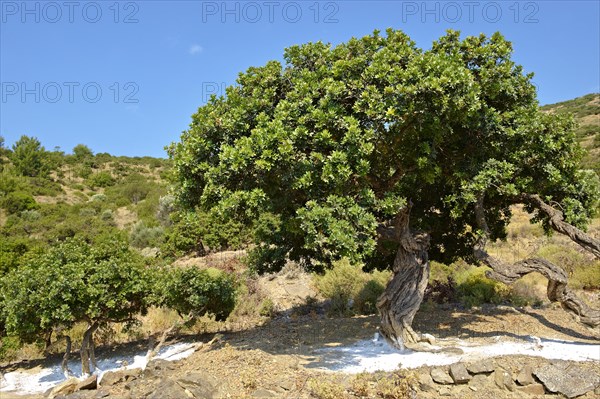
{"x": 18, "y": 201}
{"x": 74, "y": 281}
{"x": 350, "y": 289}
{"x": 143, "y": 236}
{"x": 196, "y": 292}
{"x": 313, "y": 155}
{"x": 101, "y": 179}
{"x": 82, "y": 153}
{"x": 586, "y": 277}
{"x": 477, "y": 289}
{"x": 29, "y": 157}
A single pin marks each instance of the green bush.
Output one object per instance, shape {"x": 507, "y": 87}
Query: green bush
{"x": 476, "y": 289}
{"x": 101, "y": 179}
{"x": 586, "y": 277}
{"x": 196, "y": 292}
{"x": 143, "y": 236}
{"x": 18, "y": 201}
{"x": 350, "y": 289}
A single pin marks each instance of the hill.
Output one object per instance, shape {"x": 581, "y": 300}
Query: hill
{"x": 586, "y": 111}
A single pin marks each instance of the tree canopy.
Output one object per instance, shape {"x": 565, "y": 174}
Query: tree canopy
{"x": 320, "y": 153}
{"x": 389, "y": 155}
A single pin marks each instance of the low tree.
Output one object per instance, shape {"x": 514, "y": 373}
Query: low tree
{"x": 75, "y": 282}
{"x": 29, "y": 157}
{"x": 389, "y": 155}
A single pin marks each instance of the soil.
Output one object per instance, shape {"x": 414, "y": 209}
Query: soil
{"x": 279, "y": 358}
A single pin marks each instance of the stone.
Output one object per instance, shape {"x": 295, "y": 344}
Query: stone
{"x": 199, "y": 383}
{"x": 482, "y": 366}
{"x": 114, "y": 377}
{"x": 441, "y": 376}
{"x": 168, "y": 389}
{"x": 479, "y": 383}
{"x": 157, "y": 368}
{"x": 532, "y": 389}
{"x": 459, "y": 373}
{"x": 525, "y": 376}
{"x": 89, "y": 383}
{"x": 503, "y": 379}
{"x": 426, "y": 383}
{"x": 445, "y": 391}
{"x": 64, "y": 388}
{"x": 570, "y": 380}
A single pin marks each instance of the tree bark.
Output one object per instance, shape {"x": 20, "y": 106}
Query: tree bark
{"x": 556, "y": 220}
{"x": 65, "y": 362}
{"x": 85, "y": 351}
{"x": 404, "y": 293}
{"x": 557, "y": 290}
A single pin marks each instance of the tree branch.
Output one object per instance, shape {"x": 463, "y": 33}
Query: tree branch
{"x": 509, "y": 273}
{"x": 558, "y": 224}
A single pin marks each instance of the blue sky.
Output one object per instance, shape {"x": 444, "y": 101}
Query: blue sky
{"x": 124, "y": 77}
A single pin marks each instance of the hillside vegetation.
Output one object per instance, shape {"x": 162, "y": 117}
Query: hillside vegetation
{"x": 586, "y": 111}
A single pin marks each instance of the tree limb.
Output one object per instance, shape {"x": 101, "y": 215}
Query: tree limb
{"x": 557, "y": 290}
{"x": 556, "y": 221}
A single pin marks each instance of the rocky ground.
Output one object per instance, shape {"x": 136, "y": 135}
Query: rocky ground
{"x": 278, "y": 360}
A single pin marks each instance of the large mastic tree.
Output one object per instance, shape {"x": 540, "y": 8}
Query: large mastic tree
{"x": 389, "y": 155}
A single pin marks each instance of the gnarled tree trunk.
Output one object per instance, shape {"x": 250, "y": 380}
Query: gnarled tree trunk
{"x": 557, "y": 278}
{"x": 404, "y": 293}
{"x": 65, "y": 362}
{"x": 87, "y": 350}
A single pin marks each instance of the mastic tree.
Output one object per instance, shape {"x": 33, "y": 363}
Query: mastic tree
{"x": 75, "y": 282}
{"x": 388, "y": 155}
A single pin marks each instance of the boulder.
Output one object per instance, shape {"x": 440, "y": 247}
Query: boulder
{"x": 168, "y": 389}
{"x": 426, "y": 383}
{"x": 482, "y": 366}
{"x": 569, "y": 380}
{"x": 525, "y": 376}
{"x": 199, "y": 383}
{"x": 532, "y": 389}
{"x": 64, "y": 388}
{"x": 89, "y": 383}
{"x": 114, "y": 377}
{"x": 441, "y": 376}
{"x": 503, "y": 379}
{"x": 459, "y": 373}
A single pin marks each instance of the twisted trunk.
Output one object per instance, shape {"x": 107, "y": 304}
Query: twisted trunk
{"x": 87, "y": 350}
{"x": 65, "y": 362}
{"x": 557, "y": 290}
{"x": 404, "y": 293}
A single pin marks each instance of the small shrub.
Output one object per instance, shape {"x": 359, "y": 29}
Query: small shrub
{"x": 143, "y": 236}
{"x": 195, "y": 292}
{"x": 267, "y": 308}
{"x": 324, "y": 389}
{"x": 101, "y": 179}
{"x": 18, "y": 201}
{"x": 477, "y": 289}
{"x": 586, "y": 277}
{"x": 365, "y": 301}
{"x": 350, "y": 289}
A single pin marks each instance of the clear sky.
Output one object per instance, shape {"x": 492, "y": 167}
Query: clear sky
{"x": 124, "y": 77}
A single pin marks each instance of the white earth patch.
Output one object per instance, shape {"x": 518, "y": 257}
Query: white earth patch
{"x": 377, "y": 354}
{"x": 39, "y": 380}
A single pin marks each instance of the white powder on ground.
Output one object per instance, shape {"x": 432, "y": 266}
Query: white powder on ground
{"x": 373, "y": 355}
{"x": 39, "y": 380}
